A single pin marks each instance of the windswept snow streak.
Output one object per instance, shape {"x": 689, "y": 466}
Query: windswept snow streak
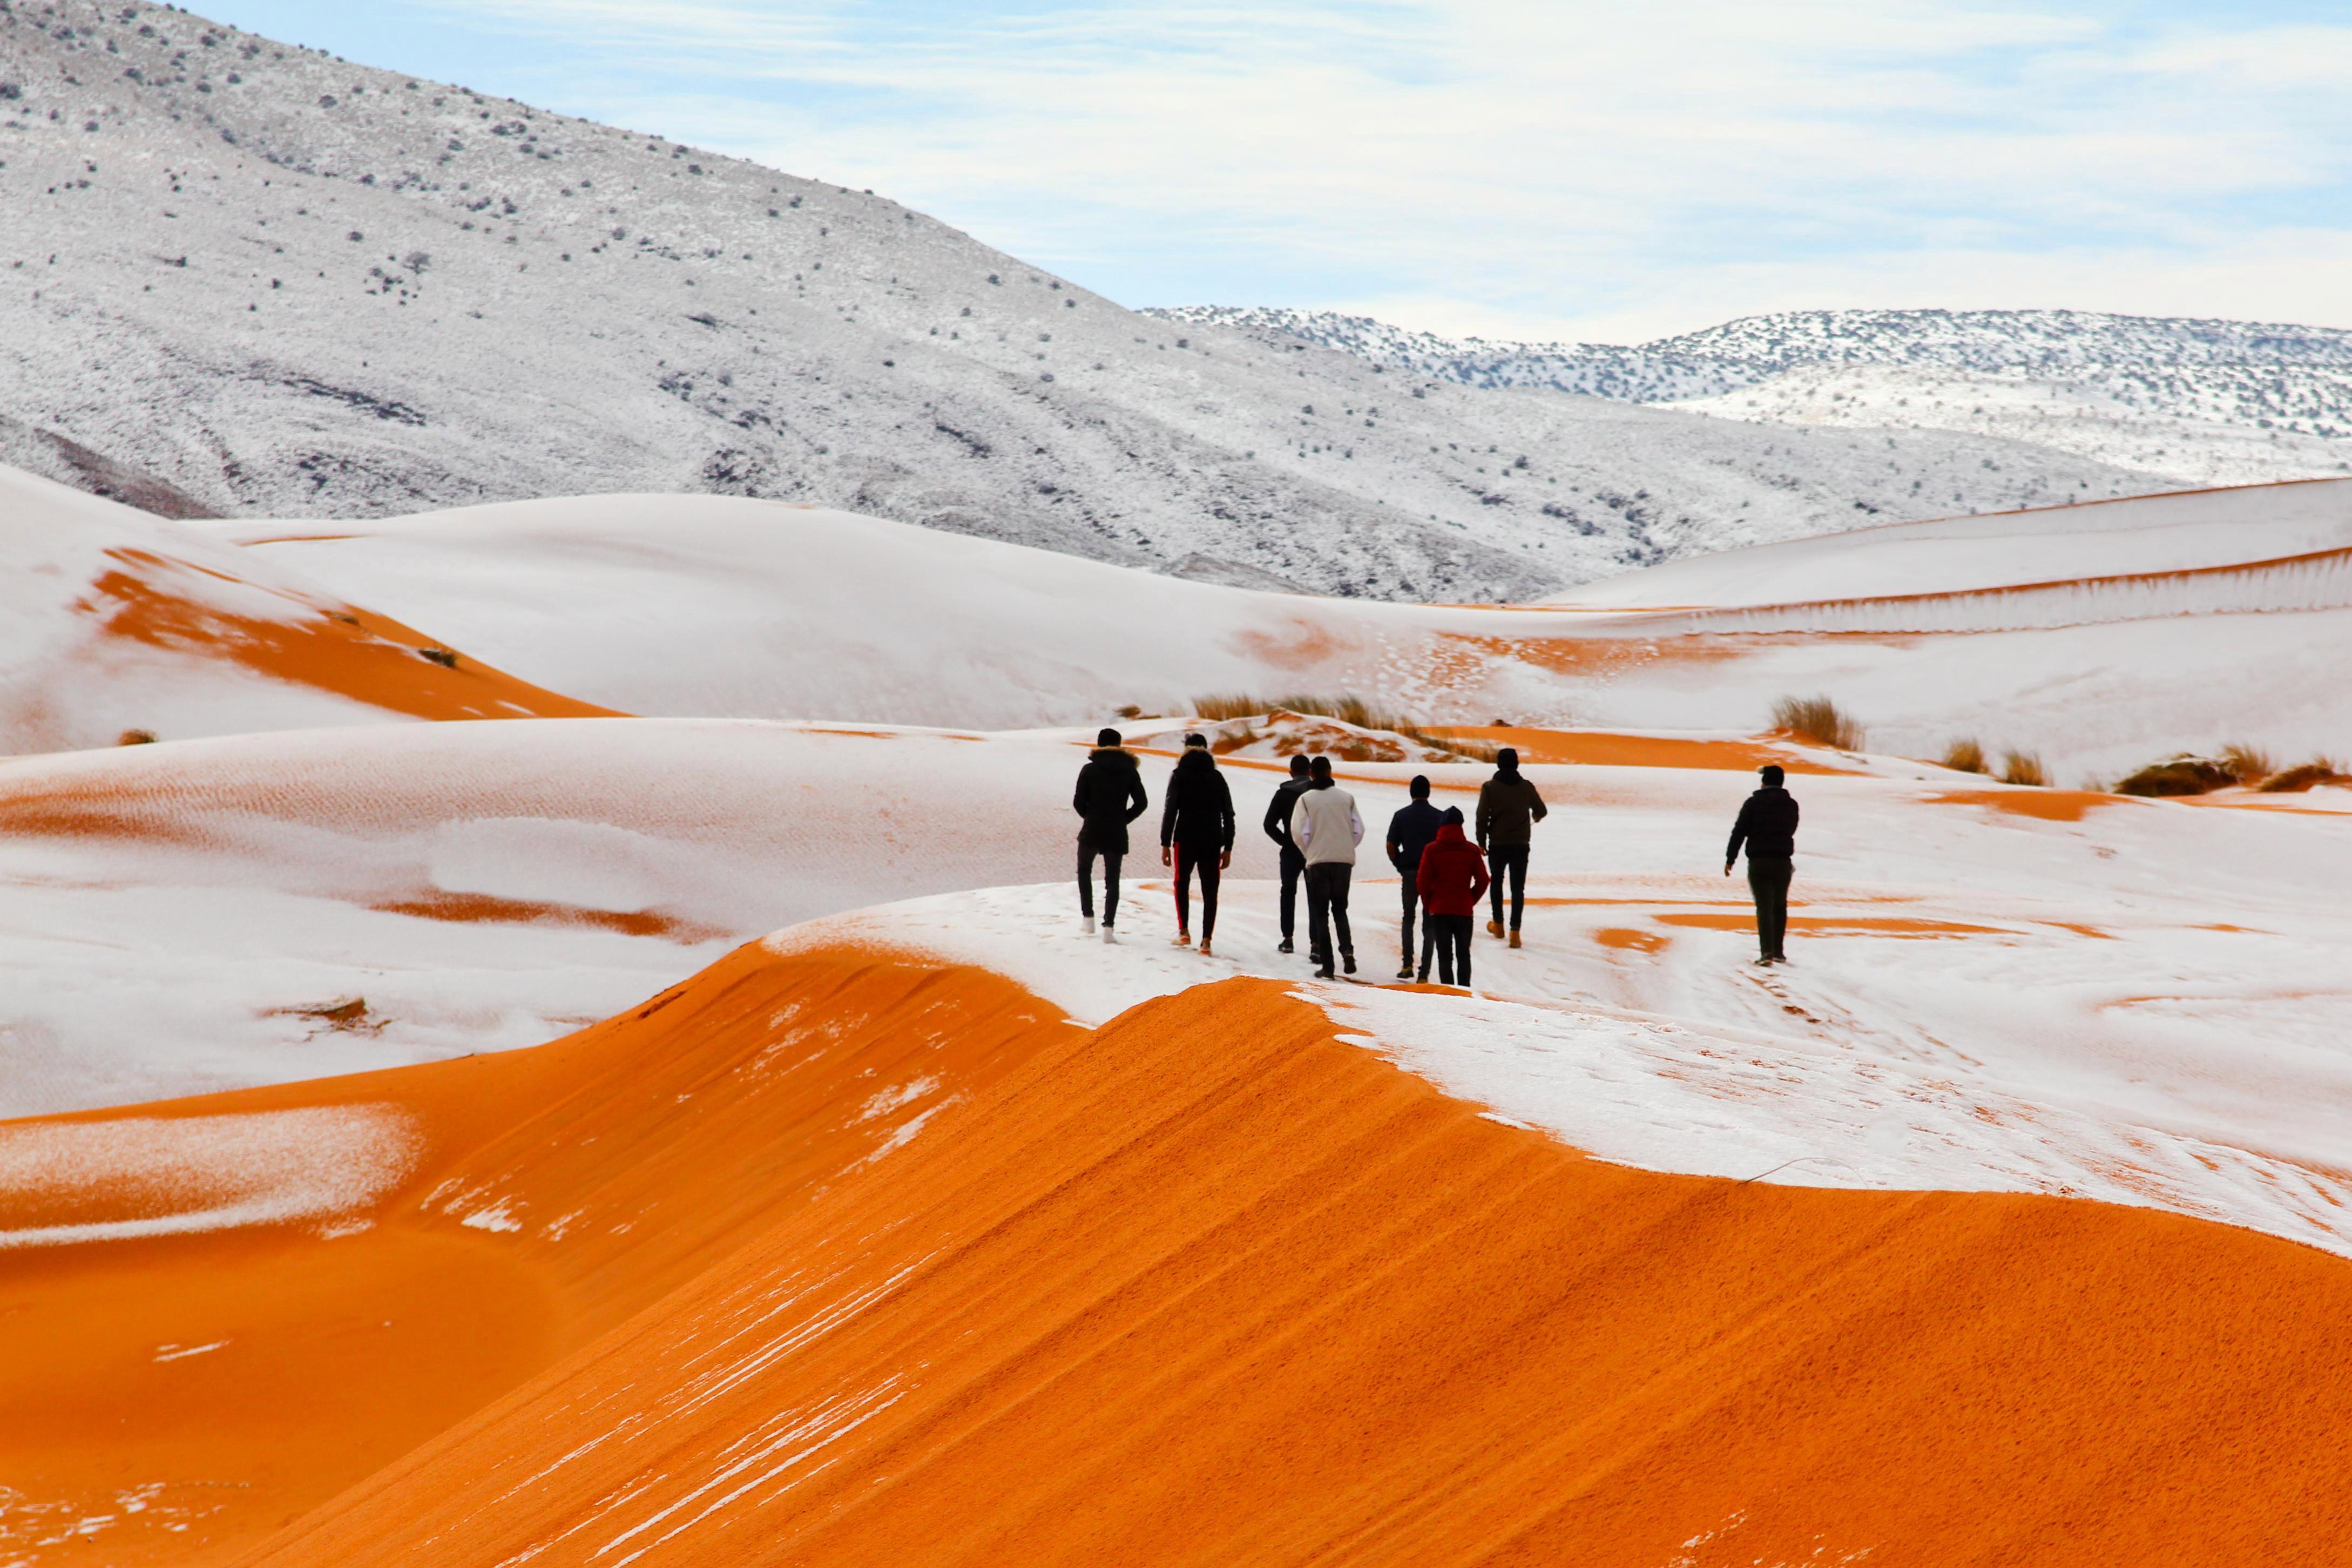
{"x": 177, "y": 1176}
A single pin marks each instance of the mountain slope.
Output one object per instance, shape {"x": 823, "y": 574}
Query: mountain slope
{"x": 272, "y": 283}
{"x": 2200, "y": 402}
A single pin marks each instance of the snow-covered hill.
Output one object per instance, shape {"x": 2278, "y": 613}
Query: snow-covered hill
{"x": 2200, "y": 402}
{"x": 247, "y": 279}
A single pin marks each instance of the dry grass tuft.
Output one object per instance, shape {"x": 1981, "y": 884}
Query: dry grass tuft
{"x": 135, "y": 738}
{"x": 2247, "y": 764}
{"x": 2023, "y": 768}
{"x": 2303, "y": 775}
{"x": 1965, "y": 756}
{"x": 2180, "y": 775}
{"x": 1347, "y": 707}
{"x": 1819, "y": 720}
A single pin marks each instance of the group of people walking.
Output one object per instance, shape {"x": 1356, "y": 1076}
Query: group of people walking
{"x": 1316, "y": 828}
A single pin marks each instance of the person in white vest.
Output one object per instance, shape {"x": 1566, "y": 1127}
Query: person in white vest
{"x": 1325, "y": 825}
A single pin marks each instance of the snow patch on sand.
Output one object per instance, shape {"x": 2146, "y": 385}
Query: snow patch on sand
{"x": 146, "y": 1176}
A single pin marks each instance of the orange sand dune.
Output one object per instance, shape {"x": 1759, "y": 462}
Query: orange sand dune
{"x": 601, "y": 1171}
{"x": 1205, "y": 1284}
{"x": 1602, "y": 747}
{"x": 164, "y": 601}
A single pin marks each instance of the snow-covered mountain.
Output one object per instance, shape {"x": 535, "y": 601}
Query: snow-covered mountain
{"x": 2200, "y": 402}
{"x": 245, "y": 278}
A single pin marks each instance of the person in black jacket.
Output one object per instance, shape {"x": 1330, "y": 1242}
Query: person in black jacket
{"x": 1768, "y": 825}
{"x": 1196, "y": 831}
{"x": 1410, "y": 831}
{"x": 1109, "y": 796}
{"x": 1277, "y": 827}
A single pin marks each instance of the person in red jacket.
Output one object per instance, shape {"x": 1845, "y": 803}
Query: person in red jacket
{"x": 1451, "y": 876}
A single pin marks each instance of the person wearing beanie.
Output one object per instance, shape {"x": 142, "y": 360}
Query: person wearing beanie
{"x": 1326, "y": 830}
{"x": 1109, "y": 796}
{"x": 1508, "y": 809}
{"x": 1277, "y": 827}
{"x": 1451, "y": 876}
{"x": 1410, "y": 831}
{"x": 1767, "y": 825}
{"x": 1196, "y": 833}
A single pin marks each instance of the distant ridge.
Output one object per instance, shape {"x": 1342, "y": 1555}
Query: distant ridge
{"x": 2206, "y": 386}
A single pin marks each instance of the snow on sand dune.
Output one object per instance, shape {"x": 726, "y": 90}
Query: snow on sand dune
{"x": 935, "y": 1276}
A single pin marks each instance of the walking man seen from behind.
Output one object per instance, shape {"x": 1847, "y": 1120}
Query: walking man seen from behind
{"x": 1196, "y": 833}
{"x": 1277, "y": 827}
{"x": 1508, "y": 809}
{"x": 1109, "y": 796}
{"x": 1768, "y": 825}
{"x": 1326, "y": 830}
{"x": 1410, "y": 831}
{"x": 1451, "y": 876}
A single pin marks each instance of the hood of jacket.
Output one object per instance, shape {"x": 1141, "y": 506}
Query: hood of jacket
{"x": 1449, "y": 833}
{"x": 1196, "y": 760}
{"x": 1115, "y": 755}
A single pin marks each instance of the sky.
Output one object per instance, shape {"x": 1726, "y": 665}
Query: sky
{"x": 1518, "y": 169}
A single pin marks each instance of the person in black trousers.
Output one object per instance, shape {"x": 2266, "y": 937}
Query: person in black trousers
{"x": 1410, "y": 831}
{"x": 1109, "y": 796}
{"x": 1767, "y": 825}
{"x": 1277, "y": 827}
{"x": 1196, "y": 832}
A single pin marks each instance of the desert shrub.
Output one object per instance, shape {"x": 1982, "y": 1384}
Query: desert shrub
{"x": 2180, "y": 775}
{"x": 442, "y": 657}
{"x": 1222, "y": 705}
{"x": 2023, "y": 768}
{"x": 1965, "y": 756}
{"x": 147, "y": 738}
{"x": 1819, "y": 720}
{"x": 2302, "y": 776}
{"x": 2247, "y": 764}
{"x": 1348, "y": 709}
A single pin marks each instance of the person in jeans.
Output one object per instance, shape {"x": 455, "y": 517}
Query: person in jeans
{"x": 1451, "y": 877}
{"x": 1767, "y": 825}
{"x": 1109, "y": 796}
{"x": 1277, "y": 827}
{"x": 1326, "y": 827}
{"x": 1508, "y": 809}
{"x": 1196, "y": 833}
{"x": 1410, "y": 831}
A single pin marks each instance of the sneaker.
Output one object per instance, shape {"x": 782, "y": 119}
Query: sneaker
{"x": 1325, "y": 973}
{"x": 1285, "y": 947}
{"x": 1406, "y": 973}
{"x": 1109, "y": 935}
{"x": 1348, "y": 962}
{"x": 1494, "y": 927}
{"x": 1766, "y": 961}
{"x": 1514, "y": 939}
{"x": 1088, "y": 925}
{"x": 1183, "y": 939}
{"x": 1204, "y": 948}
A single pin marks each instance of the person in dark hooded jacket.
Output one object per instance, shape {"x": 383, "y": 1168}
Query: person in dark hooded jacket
{"x": 1196, "y": 832}
{"x": 1451, "y": 876}
{"x": 1109, "y": 796}
{"x": 1508, "y": 809}
{"x": 1767, "y": 825}
{"x": 1277, "y": 827}
{"x": 1410, "y": 831}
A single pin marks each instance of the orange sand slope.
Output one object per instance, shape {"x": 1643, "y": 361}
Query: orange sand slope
{"x": 111, "y": 620}
{"x": 834, "y": 1259}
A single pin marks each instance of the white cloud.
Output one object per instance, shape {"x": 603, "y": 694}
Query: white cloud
{"x": 1564, "y": 162}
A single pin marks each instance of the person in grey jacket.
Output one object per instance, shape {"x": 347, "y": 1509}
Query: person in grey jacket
{"x": 1327, "y": 828}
